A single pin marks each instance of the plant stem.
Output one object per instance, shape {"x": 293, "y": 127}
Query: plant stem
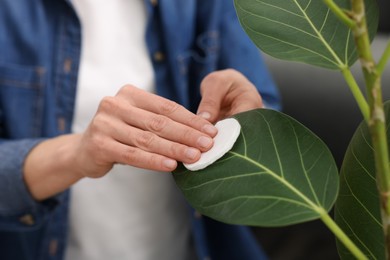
{"x": 376, "y": 122}
{"x": 382, "y": 62}
{"x": 338, "y": 232}
{"x": 359, "y": 97}
{"x": 340, "y": 13}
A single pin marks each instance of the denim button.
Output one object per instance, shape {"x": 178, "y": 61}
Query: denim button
{"x": 53, "y": 247}
{"x": 27, "y": 220}
{"x": 67, "y": 65}
{"x": 154, "y": 2}
{"x": 158, "y": 56}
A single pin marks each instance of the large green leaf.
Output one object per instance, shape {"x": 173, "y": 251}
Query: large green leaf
{"x": 277, "y": 173}
{"x": 357, "y": 209}
{"x": 302, "y": 30}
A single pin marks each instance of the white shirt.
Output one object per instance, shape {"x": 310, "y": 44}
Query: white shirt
{"x": 130, "y": 213}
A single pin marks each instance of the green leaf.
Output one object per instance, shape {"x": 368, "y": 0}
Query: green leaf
{"x": 303, "y": 30}
{"x": 357, "y": 209}
{"x": 277, "y": 173}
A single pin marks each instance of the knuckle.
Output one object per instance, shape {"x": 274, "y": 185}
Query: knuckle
{"x": 129, "y": 155}
{"x": 208, "y": 102}
{"x": 158, "y": 123}
{"x": 133, "y": 157}
{"x": 173, "y": 150}
{"x": 127, "y": 93}
{"x": 168, "y": 107}
{"x": 107, "y": 104}
{"x": 178, "y": 152}
{"x": 153, "y": 161}
{"x": 195, "y": 120}
{"x": 127, "y": 89}
{"x": 221, "y": 77}
{"x": 145, "y": 140}
{"x": 231, "y": 72}
{"x": 187, "y": 135}
{"x": 214, "y": 79}
{"x": 98, "y": 122}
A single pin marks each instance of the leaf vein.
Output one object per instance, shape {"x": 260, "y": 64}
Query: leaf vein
{"x": 276, "y": 7}
{"x": 255, "y": 197}
{"x": 283, "y": 24}
{"x": 303, "y": 164}
{"x": 327, "y": 46}
{"x": 324, "y": 22}
{"x": 362, "y": 166}
{"x": 294, "y": 45}
{"x": 283, "y": 181}
{"x": 354, "y": 234}
{"x": 359, "y": 202}
{"x": 224, "y": 179}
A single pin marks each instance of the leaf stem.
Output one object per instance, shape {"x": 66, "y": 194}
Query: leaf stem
{"x": 382, "y": 62}
{"x": 339, "y": 233}
{"x": 374, "y": 93}
{"x": 340, "y": 13}
{"x": 356, "y": 92}
{"x": 376, "y": 122}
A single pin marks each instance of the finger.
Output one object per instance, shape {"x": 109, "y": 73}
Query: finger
{"x": 213, "y": 90}
{"x": 112, "y": 111}
{"x": 125, "y": 154}
{"x": 168, "y": 108}
{"x": 168, "y": 129}
{"x": 153, "y": 143}
{"x": 227, "y": 92}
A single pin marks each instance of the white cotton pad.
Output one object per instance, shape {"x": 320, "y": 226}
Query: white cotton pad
{"x": 228, "y": 132}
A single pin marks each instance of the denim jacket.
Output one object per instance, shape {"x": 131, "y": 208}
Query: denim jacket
{"x": 40, "y": 43}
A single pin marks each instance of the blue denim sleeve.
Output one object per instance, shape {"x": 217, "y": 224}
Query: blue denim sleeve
{"x": 240, "y": 53}
{"x": 18, "y": 210}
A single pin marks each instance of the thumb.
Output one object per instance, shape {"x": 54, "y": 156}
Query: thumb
{"x": 209, "y": 109}
{"x": 212, "y": 97}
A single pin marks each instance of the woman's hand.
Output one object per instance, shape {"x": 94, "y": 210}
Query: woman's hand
{"x": 134, "y": 127}
{"x": 225, "y": 93}
{"x": 143, "y": 130}
{"x": 139, "y": 129}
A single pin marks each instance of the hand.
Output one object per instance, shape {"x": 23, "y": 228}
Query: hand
{"x": 225, "y": 93}
{"x": 134, "y": 127}
{"x": 143, "y": 130}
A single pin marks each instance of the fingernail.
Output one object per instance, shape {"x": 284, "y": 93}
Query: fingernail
{"x": 205, "y": 142}
{"x": 191, "y": 153}
{"x": 169, "y": 163}
{"x": 210, "y": 129}
{"x": 205, "y": 115}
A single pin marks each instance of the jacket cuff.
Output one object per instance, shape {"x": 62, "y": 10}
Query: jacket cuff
{"x": 18, "y": 209}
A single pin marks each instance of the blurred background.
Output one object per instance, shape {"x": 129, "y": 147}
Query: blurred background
{"x": 321, "y": 100}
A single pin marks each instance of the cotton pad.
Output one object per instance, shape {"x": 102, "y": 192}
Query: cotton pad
{"x": 228, "y": 132}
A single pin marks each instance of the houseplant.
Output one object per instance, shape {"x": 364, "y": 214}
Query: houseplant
{"x": 279, "y": 173}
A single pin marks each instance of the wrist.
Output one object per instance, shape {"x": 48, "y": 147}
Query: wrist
{"x": 51, "y": 167}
